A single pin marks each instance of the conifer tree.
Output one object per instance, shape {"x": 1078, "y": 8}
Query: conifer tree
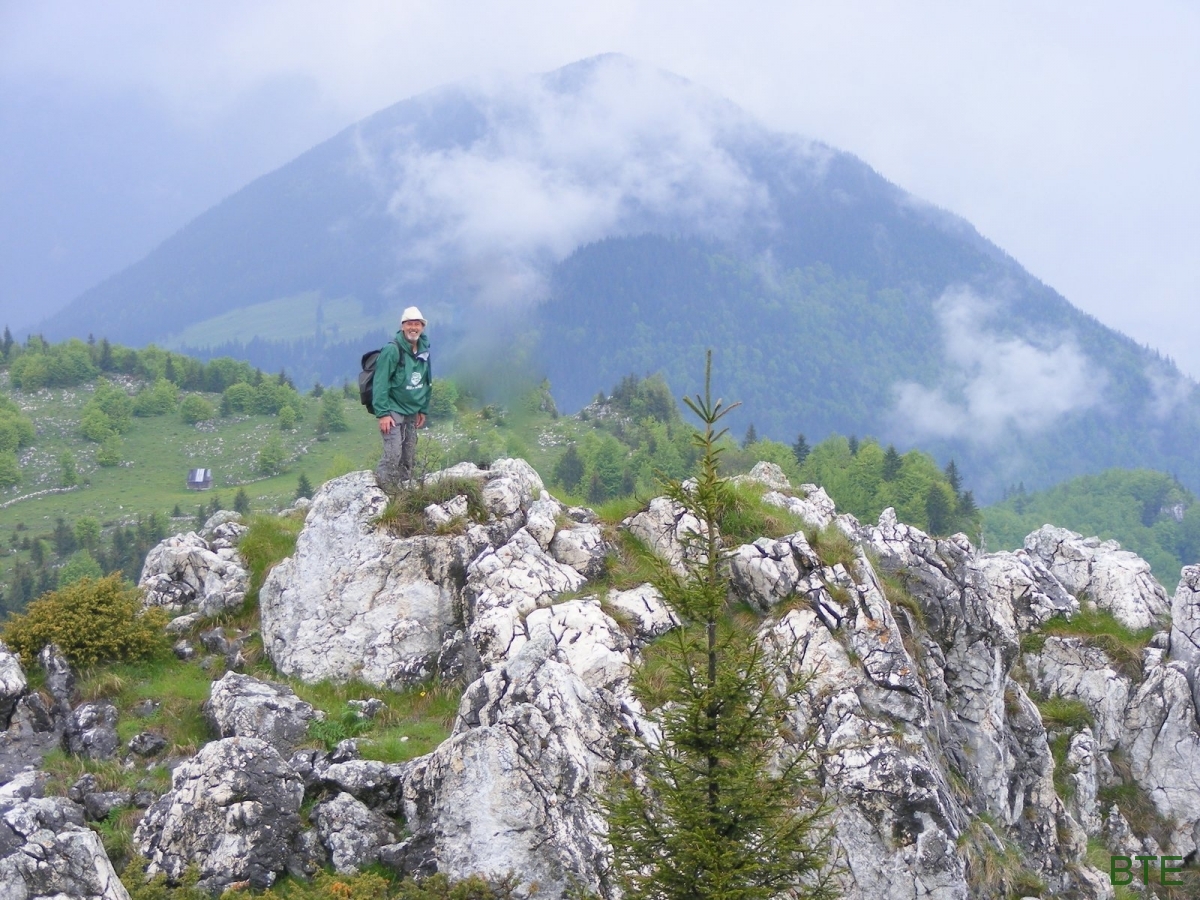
{"x": 891, "y": 463}
{"x": 939, "y": 507}
{"x": 568, "y": 471}
{"x": 800, "y": 449}
{"x": 303, "y": 487}
{"x": 953, "y": 477}
{"x": 727, "y": 808}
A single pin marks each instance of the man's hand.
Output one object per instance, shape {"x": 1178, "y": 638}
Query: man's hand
{"x": 386, "y": 423}
{"x": 420, "y": 420}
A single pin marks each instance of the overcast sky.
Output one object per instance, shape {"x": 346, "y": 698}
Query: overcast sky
{"x": 1066, "y": 132}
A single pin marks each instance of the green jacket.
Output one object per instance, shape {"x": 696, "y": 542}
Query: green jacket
{"x": 403, "y": 381}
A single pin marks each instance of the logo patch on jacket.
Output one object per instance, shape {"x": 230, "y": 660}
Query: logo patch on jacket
{"x": 415, "y": 379}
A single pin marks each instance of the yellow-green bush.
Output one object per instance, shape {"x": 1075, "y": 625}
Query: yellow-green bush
{"x": 91, "y": 621}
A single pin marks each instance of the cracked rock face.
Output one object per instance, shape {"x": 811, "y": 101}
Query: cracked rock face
{"x": 233, "y": 810}
{"x": 12, "y": 684}
{"x": 1185, "y": 617}
{"x": 355, "y": 601}
{"x": 515, "y": 787}
{"x": 664, "y": 527}
{"x": 1115, "y": 579}
{"x": 185, "y": 574}
{"x": 1162, "y": 742}
{"x": 504, "y": 586}
{"x": 351, "y": 832}
{"x": 47, "y": 852}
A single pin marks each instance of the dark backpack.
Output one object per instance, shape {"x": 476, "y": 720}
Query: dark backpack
{"x": 366, "y": 378}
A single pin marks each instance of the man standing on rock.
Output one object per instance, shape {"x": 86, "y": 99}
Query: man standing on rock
{"x": 401, "y": 390}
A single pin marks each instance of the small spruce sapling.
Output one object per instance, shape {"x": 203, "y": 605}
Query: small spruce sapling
{"x": 725, "y": 804}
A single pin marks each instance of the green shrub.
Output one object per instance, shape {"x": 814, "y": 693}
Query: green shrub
{"x": 332, "y": 416}
{"x": 195, "y": 408}
{"x": 91, "y": 621}
{"x": 272, "y": 457}
{"x": 10, "y": 469}
{"x": 79, "y": 565}
{"x": 109, "y": 454}
{"x": 157, "y": 400}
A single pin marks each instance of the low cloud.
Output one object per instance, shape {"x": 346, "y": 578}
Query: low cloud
{"x": 997, "y": 384}
{"x": 1168, "y": 389}
{"x": 623, "y": 149}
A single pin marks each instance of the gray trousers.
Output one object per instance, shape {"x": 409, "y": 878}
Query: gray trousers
{"x": 399, "y": 454}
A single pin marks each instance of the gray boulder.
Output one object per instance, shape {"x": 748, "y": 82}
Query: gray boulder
{"x": 352, "y": 833}
{"x": 92, "y": 731}
{"x": 12, "y": 684}
{"x": 233, "y": 810}
{"x": 60, "y": 679}
{"x": 47, "y": 853}
{"x": 583, "y": 548}
{"x": 242, "y": 706}
{"x": 183, "y": 574}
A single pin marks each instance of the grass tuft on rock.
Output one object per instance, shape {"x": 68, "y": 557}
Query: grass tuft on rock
{"x": 1100, "y": 629}
{"x": 404, "y": 515}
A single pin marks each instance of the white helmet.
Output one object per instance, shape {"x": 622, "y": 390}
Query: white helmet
{"x": 412, "y": 314}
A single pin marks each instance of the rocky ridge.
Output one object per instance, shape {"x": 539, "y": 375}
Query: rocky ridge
{"x": 928, "y": 670}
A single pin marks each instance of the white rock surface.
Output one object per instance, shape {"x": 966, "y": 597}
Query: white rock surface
{"x": 665, "y": 526}
{"x": 356, "y": 602}
{"x": 816, "y": 509}
{"x": 1114, "y": 579}
{"x": 1185, "y": 617}
{"x": 184, "y": 574}
{"x": 504, "y": 586}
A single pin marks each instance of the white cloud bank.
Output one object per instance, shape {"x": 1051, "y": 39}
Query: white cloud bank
{"x": 998, "y": 384}
{"x": 627, "y": 149}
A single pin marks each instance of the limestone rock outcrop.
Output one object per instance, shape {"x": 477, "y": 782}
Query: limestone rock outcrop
{"x": 354, "y": 602}
{"x": 1114, "y": 579}
{"x": 46, "y": 851}
{"x": 242, "y": 706}
{"x": 184, "y": 574}
{"x": 923, "y": 667}
{"x": 233, "y": 810}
